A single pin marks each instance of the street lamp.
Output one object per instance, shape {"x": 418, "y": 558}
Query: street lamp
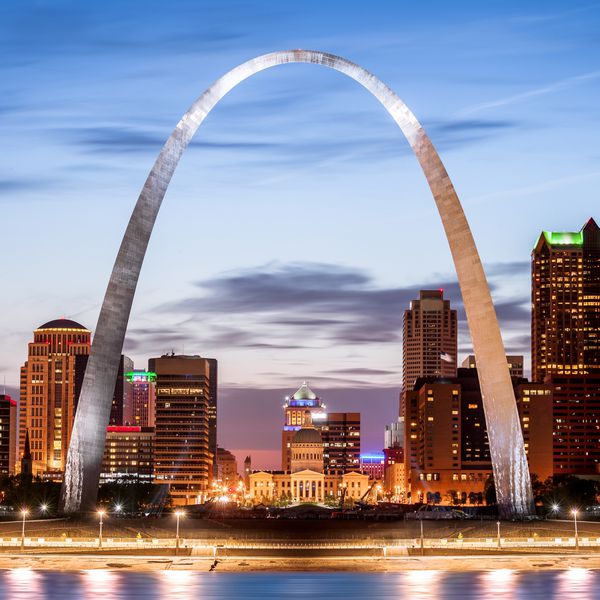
{"x": 178, "y": 515}
{"x": 499, "y": 543}
{"x": 101, "y": 514}
{"x": 24, "y": 513}
{"x": 44, "y": 508}
{"x": 574, "y": 513}
{"x": 118, "y": 507}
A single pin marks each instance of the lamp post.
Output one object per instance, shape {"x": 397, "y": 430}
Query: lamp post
{"x": 101, "y": 514}
{"x": 574, "y": 513}
{"x": 499, "y": 542}
{"x": 178, "y": 515}
{"x": 24, "y": 513}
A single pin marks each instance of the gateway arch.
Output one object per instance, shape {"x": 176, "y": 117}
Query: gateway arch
{"x": 84, "y": 460}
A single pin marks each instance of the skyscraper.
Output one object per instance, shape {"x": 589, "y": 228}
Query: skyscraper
{"x": 8, "y": 434}
{"x": 142, "y": 406}
{"x": 123, "y": 390}
{"x": 429, "y": 338}
{"x": 341, "y": 442}
{"x": 565, "y": 324}
{"x": 565, "y": 341}
{"x": 181, "y": 456}
{"x": 48, "y": 400}
{"x": 212, "y": 411}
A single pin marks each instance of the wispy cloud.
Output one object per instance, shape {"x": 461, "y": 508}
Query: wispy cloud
{"x": 331, "y": 305}
{"x": 550, "y": 88}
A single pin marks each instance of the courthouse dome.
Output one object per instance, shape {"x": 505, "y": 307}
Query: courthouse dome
{"x": 62, "y": 324}
{"x": 307, "y": 435}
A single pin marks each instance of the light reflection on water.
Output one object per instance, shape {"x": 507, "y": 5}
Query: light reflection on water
{"x": 571, "y": 584}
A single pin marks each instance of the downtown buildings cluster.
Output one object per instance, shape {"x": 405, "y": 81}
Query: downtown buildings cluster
{"x": 438, "y": 450}
{"x": 163, "y": 422}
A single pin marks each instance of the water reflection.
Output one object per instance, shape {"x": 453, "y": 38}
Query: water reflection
{"x": 575, "y": 583}
{"x": 422, "y": 584}
{"x": 22, "y": 583}
{"x": 571, "y": 584}
{"x": 100, "y": 584}
{"x": 179, "y": 584}
{"x": 502, "y": 583}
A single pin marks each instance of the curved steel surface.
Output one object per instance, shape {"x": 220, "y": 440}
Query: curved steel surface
{"x": 86, "y": 449}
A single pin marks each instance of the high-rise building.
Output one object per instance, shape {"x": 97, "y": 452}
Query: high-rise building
{"x": 341, "y": 441}
{"x": 227, "y": 472}
{"x": 565, "y": 341}
{"x": 128, "y": 454}
{"x": 122, "y": 394}
{"x": 514, "y": 362}
{"x": 576, "y": 424}
{"x": 212, "y": 411}
{"x": 8, "y": 435}
{"x": 429, "y": 339}
{"x": 48, "y": 400}
{"x": 141, "y": 408}
{"x": 181, "y": 456}
{"x": 565, "y": 324}
{"x": 394, "y": 434}
{"x": 447, "y": 450}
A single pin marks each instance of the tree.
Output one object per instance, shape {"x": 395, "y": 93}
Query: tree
{"x": 489, "y": 491}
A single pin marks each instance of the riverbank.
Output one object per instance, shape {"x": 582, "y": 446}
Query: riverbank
{"x": 75, "y": 562}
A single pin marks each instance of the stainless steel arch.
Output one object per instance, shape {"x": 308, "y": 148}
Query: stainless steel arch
{"x": 84, "y": 459}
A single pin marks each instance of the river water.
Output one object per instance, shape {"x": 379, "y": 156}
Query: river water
{"x": 16, "y": 584}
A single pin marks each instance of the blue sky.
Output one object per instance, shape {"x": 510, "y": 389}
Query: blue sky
{"x": 298, "y": 225}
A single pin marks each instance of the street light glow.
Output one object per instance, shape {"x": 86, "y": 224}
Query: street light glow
{"x": 118, "y": 507}
{"x": 24, "y": 511}
{"x": 44, "y": 507}
{"x": 574, "y": 512}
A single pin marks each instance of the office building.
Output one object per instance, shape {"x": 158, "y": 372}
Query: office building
{"x": 565, "y": 324}
{"x": 128, "y": 454}
{"x": 227, "y": 471}
{"x": 341, "y": 440}
{"x": 565, "y": 341}
{"x": 48, "y": 400}
{"x": 514, "y": 363}
{"x": 181, "y": 455}
{"x": 429, "y": 339}
{"x": 141, "y": 408}
{"x": 447, "y": 453}
{"x": 8, "y": 435}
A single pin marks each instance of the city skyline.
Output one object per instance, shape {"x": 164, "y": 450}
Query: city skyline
{"x": 338, "y": 307}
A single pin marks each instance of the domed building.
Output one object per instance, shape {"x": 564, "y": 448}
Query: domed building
{"x": 47, "y": 406}
{"x": 305, "y": 480}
